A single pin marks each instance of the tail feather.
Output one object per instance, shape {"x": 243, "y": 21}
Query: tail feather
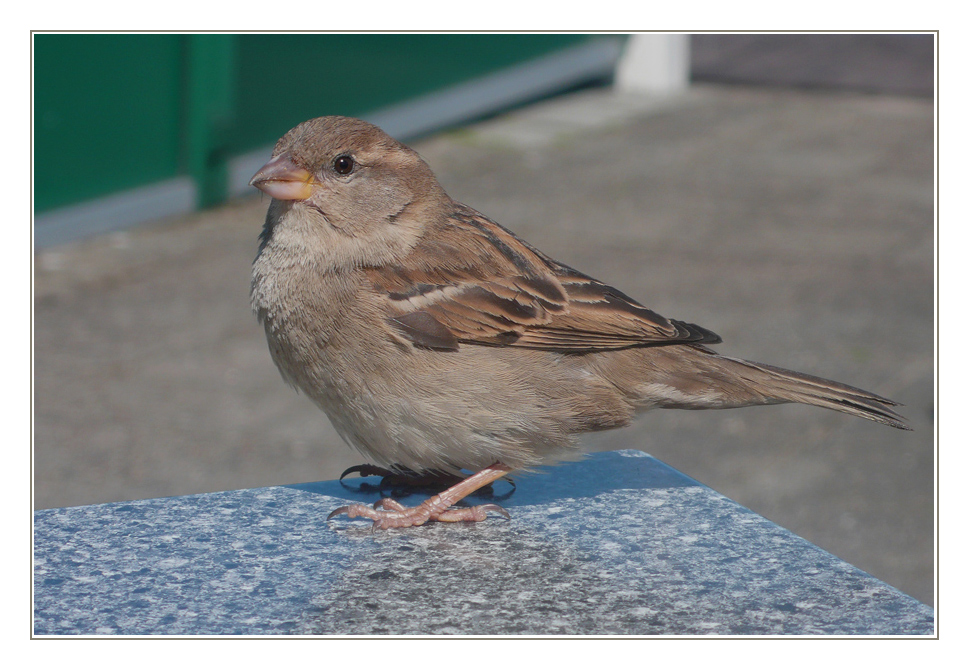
{"x": 789, "y": 386}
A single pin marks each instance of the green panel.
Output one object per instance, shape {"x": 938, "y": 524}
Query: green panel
{"x": 286, "y": 79}
{"x": 106, "y": 114}
{"x": 113, "y": 112}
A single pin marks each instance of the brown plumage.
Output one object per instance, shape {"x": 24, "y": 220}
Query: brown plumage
{"x": 435, "y": 339}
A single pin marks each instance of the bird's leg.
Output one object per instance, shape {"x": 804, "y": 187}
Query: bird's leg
{"x": 389, "y": 513}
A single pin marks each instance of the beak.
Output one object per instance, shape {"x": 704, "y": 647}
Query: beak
{"x": 282, "y": 179}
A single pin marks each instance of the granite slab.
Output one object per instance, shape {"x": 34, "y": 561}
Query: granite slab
{"x": 616, "y": 544}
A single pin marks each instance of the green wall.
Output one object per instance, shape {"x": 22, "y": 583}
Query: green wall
{"x": 107, "y": 114}
{"x": 116, "y": 111}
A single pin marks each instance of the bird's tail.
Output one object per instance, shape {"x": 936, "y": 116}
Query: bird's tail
{"x": 696, "y": 377}
{"x": 780, "y": 385}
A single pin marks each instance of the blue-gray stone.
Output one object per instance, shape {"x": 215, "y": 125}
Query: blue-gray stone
{"x": 618, "y": 543}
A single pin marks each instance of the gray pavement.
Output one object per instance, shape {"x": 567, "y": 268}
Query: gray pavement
{"x": 896, "y": 63}
{"x": 798, "y": 226}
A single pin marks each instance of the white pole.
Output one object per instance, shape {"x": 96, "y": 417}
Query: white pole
{"x": 654, "y": 63}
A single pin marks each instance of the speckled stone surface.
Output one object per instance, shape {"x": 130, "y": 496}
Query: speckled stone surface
{"x": 617, "y": 544}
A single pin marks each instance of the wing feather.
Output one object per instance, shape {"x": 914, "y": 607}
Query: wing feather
{"x": 475, "y": 282}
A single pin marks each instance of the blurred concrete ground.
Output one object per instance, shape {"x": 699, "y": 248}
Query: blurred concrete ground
{"x": 798, "y": 226}
{"x": 894, "y": 63}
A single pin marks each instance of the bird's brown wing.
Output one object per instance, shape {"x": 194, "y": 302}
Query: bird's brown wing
{"x": 475, "y": 282}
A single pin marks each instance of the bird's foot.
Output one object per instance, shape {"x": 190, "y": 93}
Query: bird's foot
{"x": 388, "y": 513}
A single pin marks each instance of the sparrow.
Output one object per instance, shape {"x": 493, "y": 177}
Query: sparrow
{"x": 437, "y": 340}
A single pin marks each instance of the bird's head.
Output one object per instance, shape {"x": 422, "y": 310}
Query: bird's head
{"x": 346, "y": 182}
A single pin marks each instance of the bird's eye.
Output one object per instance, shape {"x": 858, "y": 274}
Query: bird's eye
{"x": 343, "y": 164}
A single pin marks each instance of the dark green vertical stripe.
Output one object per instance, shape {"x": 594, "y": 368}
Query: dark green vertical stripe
{"x": 210, "y": 103}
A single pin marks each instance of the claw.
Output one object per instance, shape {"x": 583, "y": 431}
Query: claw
{"x": 365, "y": 470}
{"x": 338, "y": 512}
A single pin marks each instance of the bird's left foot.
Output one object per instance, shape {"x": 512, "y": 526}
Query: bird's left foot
{"x": 388, "y": 513}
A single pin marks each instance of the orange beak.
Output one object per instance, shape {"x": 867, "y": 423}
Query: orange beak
{"x": 282, "y": 179}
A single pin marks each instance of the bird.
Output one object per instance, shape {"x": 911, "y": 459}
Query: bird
{"x": 436, "y": 340}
